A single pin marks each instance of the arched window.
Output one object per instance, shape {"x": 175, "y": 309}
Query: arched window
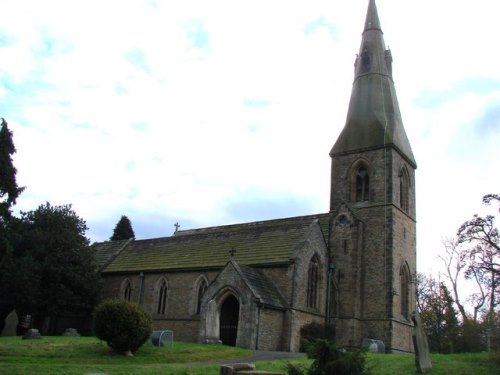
{"x": 312, "y": 283}
{"x": 126, "y": 290}
{"x": 362, "y": 185}
{"x": 404, "y": 277}
{"x": 161, "y": 304}
{"x": 404, "y": 190}
{"x": 202, "y": 286}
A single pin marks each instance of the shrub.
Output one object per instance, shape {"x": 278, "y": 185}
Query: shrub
{"x": 294, "y": 369}
{"x": 314, "y": 331}
{"x": 123, "y": 325}
{"x": 329, "y": 359}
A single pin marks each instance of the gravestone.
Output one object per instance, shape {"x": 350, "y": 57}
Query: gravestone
{"x": 71, "y": 332}
{"x": 32, "y": 334}
{"x": 422, "y": 354}
{"x": 11, "y": 322}
{"x": 212, "y": 323}
{"x": 373, "y": 346}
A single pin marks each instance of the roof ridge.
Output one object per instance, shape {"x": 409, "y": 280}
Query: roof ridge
{"x": 260, "y": 223}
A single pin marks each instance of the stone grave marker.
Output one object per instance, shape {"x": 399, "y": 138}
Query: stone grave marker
{"x": 422, "y": 354}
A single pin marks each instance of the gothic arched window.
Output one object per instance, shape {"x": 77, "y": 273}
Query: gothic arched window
{"x": 126, "y": 290}
{"x": 362, "y": 185}
{"x": 404, "y": 277}
{"x": 202, "y": 286}
{"x": 312, "y": 283}
{"x": 404, "y": 190}
{"x": 161, "y": 302}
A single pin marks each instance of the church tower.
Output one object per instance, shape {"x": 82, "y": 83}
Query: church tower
{"x": 373, "y": 227}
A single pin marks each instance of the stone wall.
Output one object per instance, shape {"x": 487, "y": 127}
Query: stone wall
{"x": 270, "y": 329}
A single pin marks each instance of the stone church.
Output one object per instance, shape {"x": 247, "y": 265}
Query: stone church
{"x": 254, "y": 285}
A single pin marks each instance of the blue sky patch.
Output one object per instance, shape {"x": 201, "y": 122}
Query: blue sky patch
{"x": 479, "y": 85}
{"x": 320, "y": 24}
{"x": 197, "y": 35}
{"x": 137, "y": 57}
{"x": 256, "y": 103}
{"x": 5, "y": 39}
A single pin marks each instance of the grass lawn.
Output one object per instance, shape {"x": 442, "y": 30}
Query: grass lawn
{"x": 87, "y": 355}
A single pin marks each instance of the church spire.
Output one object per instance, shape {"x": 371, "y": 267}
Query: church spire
{"x": 373, "y": 119}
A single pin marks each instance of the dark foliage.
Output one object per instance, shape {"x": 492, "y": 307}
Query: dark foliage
{"x": 295, "y": 369}
{"x": 53, "y": 270}
{"x": 9, "y": 191}
{"x": 123, "y": 230}
{"x": 328, "y": 359}
{"x": 312, "y": 331}
{"x": 123, "y": 325}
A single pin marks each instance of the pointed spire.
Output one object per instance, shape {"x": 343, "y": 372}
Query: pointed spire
{"x": 372, "y": 20}
{"x": 373, "y": 119}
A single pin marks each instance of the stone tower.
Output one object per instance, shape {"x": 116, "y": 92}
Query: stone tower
{"x": 373, "y": 228}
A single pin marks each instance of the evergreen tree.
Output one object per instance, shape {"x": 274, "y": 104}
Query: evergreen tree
{"x": 55, "y": 270}
{"x": 123, "y": 230}
{"x": 9, "y": 191}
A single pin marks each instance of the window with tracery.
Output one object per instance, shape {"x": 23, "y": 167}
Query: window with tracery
{"x": 405, "y": 291}
{"x": 404, "y": 190}
{"x": 312, "y": 283}
{"x": 127, "y": 290}
{"x": 362, "y": 185}
{"x": 201, "y": 290}
{"x": 161, "y": 305}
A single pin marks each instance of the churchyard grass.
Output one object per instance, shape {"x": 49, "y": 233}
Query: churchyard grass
{"x": 88, "y": 355}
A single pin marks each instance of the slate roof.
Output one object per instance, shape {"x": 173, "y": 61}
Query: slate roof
{"x": 262, "y": 243}
{"x": 105, "y": 252}
{"x": 263, "y": 289}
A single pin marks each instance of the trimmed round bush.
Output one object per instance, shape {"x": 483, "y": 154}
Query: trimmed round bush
{"x": 125, "y": 326}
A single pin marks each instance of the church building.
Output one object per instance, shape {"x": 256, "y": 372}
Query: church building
{"x": 255, "y": 285}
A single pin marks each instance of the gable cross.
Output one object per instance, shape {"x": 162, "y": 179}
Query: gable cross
{"x": 232, "y": 252}
{"x": 177, "y": 226}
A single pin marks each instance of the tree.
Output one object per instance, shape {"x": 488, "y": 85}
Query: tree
{"x": 483, "y": 239}
{"x": 9, "y": 191}
{"x": 457, "y": 264}
{"x": 438, "y": 314}
{"x": 123, "y": 230}
{"x": 54, "y": 273}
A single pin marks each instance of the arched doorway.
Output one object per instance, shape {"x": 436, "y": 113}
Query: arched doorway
{"x": 229, "y": 313}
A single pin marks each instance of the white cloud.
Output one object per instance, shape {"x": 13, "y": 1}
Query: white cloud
{"x": 154, "y": 108}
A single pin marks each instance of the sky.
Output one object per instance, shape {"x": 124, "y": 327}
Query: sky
{"x": 216, "y": 112}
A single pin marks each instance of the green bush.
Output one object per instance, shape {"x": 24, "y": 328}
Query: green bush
{"x": 314, "y": 331}
{"x": 123, "y": 325}
{"x": 329, "y": 359}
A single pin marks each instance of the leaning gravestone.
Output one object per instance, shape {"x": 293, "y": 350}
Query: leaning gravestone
{"x": 422, "y": 354}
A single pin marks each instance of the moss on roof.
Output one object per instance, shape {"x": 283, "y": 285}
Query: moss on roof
{"x": 259, "y": 243}
{"x": 104, "y": 252}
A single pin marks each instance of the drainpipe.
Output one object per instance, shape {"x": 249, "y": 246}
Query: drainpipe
{"x": 259, "y": 307}
{"x": 141, "y": 287}
{"x": 331, "y": 270}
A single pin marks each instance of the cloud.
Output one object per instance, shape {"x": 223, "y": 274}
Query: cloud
{"x": 219, "y": 112}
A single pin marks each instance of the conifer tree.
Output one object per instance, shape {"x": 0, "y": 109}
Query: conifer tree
{"x": 123, "y": 230}
{"x": 9, "y": 191}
